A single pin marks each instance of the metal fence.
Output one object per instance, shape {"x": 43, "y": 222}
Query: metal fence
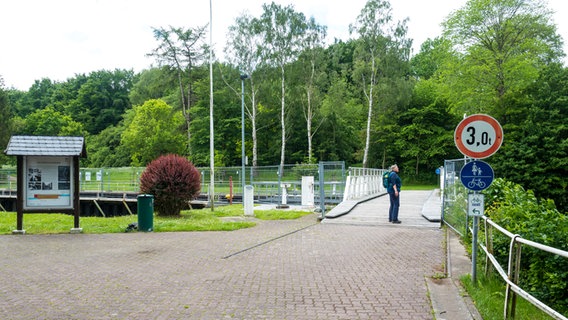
{"x": 125, "y": 179}
{"x": 454, "y": 197}
{"x": 454, "y": 215}
{"x": 271, "y": 183}
{"x": 331, "y": 184}
{"x": 7, "y": 179}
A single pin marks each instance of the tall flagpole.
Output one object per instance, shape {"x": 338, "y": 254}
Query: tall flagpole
{"x": 211, "y": 130}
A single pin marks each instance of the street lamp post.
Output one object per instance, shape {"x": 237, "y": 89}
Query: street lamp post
{"x": 243, "y": 77}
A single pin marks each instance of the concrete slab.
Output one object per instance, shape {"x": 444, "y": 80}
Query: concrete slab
{"x": 346, "y": 206}
{"x": 375, "y": 211}
{"x": 446, "y": 300}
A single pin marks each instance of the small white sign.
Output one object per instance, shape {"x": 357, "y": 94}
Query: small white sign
{"x": 476, "y": 204}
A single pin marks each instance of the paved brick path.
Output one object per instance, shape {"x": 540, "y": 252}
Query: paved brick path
{"x": 298, "y": 269}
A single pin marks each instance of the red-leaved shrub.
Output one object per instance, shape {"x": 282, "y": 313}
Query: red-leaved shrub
{"x": 173, "y": 181}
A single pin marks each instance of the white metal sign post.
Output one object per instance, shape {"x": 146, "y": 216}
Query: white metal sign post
{"x": 478, "y": 136}
{"x": 475, "y": 209}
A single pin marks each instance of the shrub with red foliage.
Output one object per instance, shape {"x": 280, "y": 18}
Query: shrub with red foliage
{"x": 173, "y": 181}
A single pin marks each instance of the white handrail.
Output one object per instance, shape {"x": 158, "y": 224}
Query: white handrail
{"x": 510, "y": 276}
{"x": 363, "y": 182}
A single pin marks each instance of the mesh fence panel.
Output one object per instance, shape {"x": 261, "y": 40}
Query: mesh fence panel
{"x": 8, "y": 179}
{"x": 455, "y": 197}
{"x": 268, "y": 181}
{"x": 331, "y": 184}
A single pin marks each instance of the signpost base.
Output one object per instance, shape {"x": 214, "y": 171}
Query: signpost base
{"x": 76, "y": 230}
{"x": 18, "y": 231}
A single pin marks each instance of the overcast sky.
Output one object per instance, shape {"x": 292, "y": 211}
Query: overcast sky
{"x": 57, "y": 39}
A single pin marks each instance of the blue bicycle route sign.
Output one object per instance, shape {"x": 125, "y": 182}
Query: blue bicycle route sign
{"x": 477, "y": 175}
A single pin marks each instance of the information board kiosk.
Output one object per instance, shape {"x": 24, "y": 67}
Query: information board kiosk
{"x": 47, "y": 175}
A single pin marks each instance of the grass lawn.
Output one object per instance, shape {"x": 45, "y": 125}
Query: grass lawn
{"x": 489, "y": 298}
{"x": 190, "y": 220}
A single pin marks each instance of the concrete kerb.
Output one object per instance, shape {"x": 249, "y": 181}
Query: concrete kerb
{"x": 448, "y": 297}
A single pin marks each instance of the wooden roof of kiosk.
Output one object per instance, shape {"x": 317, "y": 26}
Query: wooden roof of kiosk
{"x": 46, "y": 146}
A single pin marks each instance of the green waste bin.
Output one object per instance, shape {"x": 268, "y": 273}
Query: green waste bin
{"x": 145, "y": 212}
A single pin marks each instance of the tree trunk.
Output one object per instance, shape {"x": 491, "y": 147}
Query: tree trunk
{"x": 370, "y": 114}
{"x": 282, "y": 120}
{"x": 416, "y": 169}
{"x": 185, "y": 108}
{"x": 309, "y": 125}
{"x": 187, "y": 114}
{"x": 309, "y": 112}
{"x": 368, "y": 133}
{"x": 254, "y": 130}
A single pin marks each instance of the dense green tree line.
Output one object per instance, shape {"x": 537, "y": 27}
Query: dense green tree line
{"x": 365, "y": 101}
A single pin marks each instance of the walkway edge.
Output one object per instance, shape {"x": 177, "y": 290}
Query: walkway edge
{"x": 448, "y": 297}
{"x": 346, "y": 206}
{"x": 430, "y": 210}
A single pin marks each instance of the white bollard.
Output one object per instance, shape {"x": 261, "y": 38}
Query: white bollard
{"x": 308, "y": 191}
{"x": 284, "y": 194}
{"x": 248, "y": 200}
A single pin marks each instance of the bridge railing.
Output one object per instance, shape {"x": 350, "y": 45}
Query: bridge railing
{"x": 363, "y": 182}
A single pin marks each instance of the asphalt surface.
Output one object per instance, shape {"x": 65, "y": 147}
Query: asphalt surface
{"x": 357, "y": 266}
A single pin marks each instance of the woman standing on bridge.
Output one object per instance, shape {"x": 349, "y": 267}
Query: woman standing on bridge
{"x": 394, "y": 194}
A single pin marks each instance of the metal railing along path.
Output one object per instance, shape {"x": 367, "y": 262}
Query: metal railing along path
{"x": 511, "y": 277}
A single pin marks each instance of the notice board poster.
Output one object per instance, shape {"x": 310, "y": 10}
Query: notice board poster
{"x": 48, "y": 183}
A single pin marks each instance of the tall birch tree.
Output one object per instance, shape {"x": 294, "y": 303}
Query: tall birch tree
{"x": 243, "y": 50}
{"x": 311, "y": 58}
{"x": 283, "y": 30}
{"x": 381, "y": 47}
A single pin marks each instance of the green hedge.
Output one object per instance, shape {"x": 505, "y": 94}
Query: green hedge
{"x": 543, "y": 274}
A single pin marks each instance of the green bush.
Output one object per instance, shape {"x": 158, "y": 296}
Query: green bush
{"x": 303, "y": 169}
{"x": 543, "y": 274}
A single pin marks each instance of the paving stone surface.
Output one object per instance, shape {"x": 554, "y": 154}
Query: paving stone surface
{"x": 301, "y": 269}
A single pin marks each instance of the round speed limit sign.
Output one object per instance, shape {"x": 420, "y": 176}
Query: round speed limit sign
{"x": 478, "y": 136}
